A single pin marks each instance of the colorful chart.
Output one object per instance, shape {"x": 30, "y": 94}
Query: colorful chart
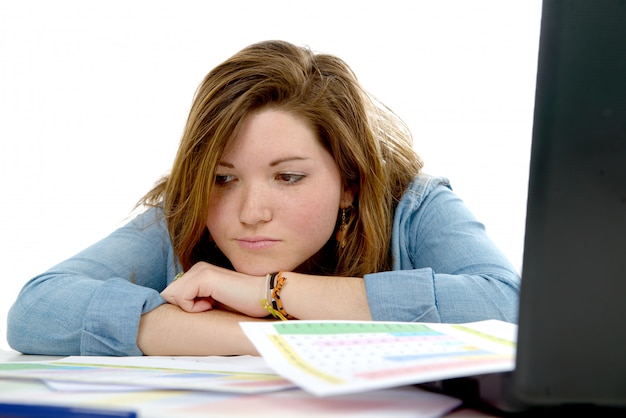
{"x": 333, "y": 357}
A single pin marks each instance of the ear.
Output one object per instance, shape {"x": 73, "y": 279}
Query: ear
{"x": 347, "y": 196}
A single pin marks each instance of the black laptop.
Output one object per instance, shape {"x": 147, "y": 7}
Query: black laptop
{"x": 571, "y": 353}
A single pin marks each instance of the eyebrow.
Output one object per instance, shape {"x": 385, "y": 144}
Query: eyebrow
{"x": 272, "y": 164}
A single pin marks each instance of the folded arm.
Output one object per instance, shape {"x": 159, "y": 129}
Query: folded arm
{"x": 106, "y": 298}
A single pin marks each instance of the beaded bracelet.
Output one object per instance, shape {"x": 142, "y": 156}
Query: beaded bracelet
{"x": 273, "y": 304}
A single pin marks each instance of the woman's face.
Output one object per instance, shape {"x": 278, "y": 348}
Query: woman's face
{"x": 276, "y": 195}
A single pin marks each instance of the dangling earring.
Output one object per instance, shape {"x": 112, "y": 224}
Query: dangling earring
{"x": 341, "y": 232}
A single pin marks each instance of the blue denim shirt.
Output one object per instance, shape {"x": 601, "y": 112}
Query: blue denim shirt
{"x": 445, "y": 269}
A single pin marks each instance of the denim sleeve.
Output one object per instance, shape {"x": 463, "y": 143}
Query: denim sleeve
{"x": 91, "y": 303}
{"x": 446, "y": 268}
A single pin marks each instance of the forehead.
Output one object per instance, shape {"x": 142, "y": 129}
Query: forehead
{"x": 272, "y": 131}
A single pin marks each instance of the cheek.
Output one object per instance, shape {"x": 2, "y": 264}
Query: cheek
{"x": 217, "y": 217}
{"x": 314, "y": 219}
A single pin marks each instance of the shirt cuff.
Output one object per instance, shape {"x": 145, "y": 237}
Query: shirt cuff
{"x": 112, "y": 321}
{"x": 405, "y": 295}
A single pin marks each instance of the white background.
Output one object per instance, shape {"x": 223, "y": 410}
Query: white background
{"x": 94, "y": 95}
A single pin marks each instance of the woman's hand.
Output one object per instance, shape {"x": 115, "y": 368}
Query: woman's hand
{"x": 204, "y": 287}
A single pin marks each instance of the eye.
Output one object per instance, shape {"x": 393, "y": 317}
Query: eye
{"x": 290, "y": 178}
{"x": 224, "y": 179}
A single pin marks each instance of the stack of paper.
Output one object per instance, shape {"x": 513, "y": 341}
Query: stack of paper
{"x": 321, "y": 357}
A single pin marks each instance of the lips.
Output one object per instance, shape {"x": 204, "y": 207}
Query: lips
{"x": 257, "y": 243}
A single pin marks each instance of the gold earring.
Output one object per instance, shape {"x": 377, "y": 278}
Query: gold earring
{"x": 341, "y": 232}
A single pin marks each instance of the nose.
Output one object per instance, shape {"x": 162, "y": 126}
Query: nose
{"x": 255, "y": 205}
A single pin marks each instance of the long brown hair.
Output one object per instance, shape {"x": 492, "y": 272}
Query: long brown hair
{"x": 370, "y": 144}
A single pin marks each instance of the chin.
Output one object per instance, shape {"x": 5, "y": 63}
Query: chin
{"x": 261, "y": 264}
{"x": 253, "y": 270}
{"x": 261, "y": 270}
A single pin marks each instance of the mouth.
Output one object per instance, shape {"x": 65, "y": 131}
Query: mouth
{"x": 257, "y": 243}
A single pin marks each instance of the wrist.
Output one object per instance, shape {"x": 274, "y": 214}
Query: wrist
{"x": 273, "y": 302}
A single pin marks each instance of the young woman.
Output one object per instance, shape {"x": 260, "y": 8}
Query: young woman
{"x": 293, "y": 195}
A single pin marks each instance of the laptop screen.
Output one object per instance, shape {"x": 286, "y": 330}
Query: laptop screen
{"x": 572, "y": 325}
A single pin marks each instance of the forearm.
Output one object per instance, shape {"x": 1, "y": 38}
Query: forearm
{"x": 168, "y": 330}
{"x": 204, "y": 287}
{"x": 317, "y": 297}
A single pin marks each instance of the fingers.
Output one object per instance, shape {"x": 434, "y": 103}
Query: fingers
{"x": 205, "y": 287}
{"x": 201, "y": 304}
{"x": 196, "y": 304}
{"x": 188, "y": 294}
